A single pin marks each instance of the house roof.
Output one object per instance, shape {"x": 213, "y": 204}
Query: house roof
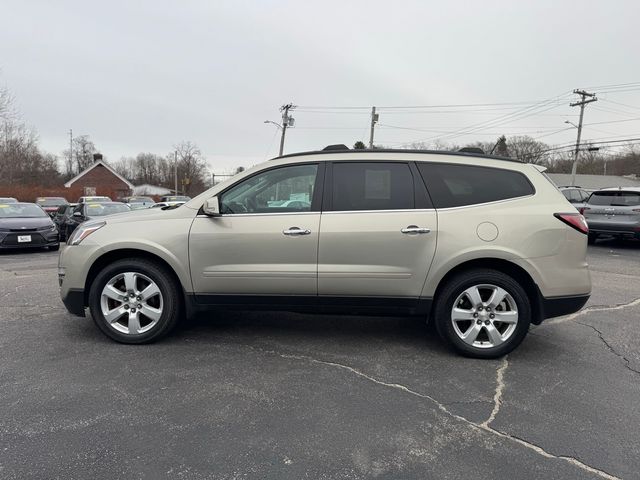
{"x": 594, "y": 181}
{"x": 146, "y": 189}
{"x": 94, "y": 165}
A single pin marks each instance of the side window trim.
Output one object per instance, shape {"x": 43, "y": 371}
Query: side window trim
{"x": 316, "y": 201}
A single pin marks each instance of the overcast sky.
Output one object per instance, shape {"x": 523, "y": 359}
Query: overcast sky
{"x": 143, "y": 75}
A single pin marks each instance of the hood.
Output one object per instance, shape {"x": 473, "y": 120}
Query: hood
{"x": 147, "y": 214}
{"x": 25, "y": 223}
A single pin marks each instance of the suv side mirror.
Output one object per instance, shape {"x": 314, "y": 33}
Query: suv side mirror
{"x": 211, "y": 207}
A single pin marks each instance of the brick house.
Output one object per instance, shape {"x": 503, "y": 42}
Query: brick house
{"x": 101, "y": 179}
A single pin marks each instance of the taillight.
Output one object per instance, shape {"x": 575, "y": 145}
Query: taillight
{"x": 583, "y": 209}
{"x": 575, "y": 220}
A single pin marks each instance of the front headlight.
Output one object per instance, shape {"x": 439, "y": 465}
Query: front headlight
{"x": 83, "y": 231}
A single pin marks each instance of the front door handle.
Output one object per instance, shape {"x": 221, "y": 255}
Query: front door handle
{"x": 415, "y": 230}
{"x": 296, "y": 231}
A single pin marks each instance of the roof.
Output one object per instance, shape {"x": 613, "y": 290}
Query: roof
{"x": 94, "y": 165}
{"x": 626, "y": 189}
{"x": 594, "y": 181}
{"x": 146, "y": 189}
{"x": 397, "y": 150}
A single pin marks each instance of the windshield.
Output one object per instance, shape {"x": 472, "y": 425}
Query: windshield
{"x": 97, "y": 199}
{"x": 21, "y": 210}
{"x": 615, "y": 199}
{"x": 51, "y": 202}
{"x": 101, "y": 209}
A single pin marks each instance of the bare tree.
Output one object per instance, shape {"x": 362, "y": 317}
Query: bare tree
{"x": 191, "y": 167}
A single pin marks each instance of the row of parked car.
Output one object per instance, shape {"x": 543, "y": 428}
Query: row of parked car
{"x": 52, "y": 220}
{"x": 609, "y": 211}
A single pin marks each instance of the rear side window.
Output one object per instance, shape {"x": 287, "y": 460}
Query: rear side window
{"x": 372, "y": 186}
{"x": 458, "y": 185}
{"x": 615, "y": 199}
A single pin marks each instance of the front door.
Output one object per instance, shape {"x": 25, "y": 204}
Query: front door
{"x": 378, "y": 232}
{"x": 266, "y": 240}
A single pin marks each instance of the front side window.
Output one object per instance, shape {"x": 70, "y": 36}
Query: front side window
{"x": 372, "y": 186}
{"x": 457, "y": 185}
{"x": 286, "y": 189}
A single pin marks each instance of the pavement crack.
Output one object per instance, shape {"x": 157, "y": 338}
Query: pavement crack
{"x": 594, "y": 308}
{"x": 627, "y": 362}
{"x": 483, "y": 427}
{"x": 497, "y": 396}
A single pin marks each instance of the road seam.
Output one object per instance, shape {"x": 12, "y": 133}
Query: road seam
{"x": 476, "y": 426}
{"x": 611, "y": 349}
{"x": 594, "y": 308}
{"x": 497, "y": 396}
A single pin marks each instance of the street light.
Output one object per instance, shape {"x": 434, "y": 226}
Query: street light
{"x": 274, "y": 123}
{"x": 571, "y": 123}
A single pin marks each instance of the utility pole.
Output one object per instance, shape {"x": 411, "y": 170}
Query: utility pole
{"x": 374, "y": 120}
{"x": 585, "y": 98}
{"x": 71, "y": 149}
{"x": 175, "y": 173}
{"x": 286, "y": 122}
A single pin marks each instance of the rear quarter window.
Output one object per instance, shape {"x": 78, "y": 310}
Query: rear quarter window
{"x": 458, "y": 185}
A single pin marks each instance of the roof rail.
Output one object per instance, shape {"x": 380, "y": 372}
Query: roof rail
{"x": 402, "y": 151}
{"x": 337, "y": 146}
{"x": 477, "y": 150}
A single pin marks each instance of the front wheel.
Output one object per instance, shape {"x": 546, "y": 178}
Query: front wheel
{"x": 482, "y": 313}
{"x": 134, "y": 301}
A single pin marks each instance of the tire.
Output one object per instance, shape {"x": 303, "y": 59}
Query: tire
{"x": 480, "y": 284}
{"x": 125, "y": 277}
{"x": 591, "y": 238}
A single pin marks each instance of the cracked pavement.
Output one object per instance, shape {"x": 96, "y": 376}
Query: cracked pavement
{"x": 237, "y": 395}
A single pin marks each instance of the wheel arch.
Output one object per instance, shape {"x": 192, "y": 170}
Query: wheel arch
{"x": 119, "y": 254}
{"x": 505, "y": 266}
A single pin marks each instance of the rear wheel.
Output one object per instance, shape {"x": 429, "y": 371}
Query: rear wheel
{"x": 482, "y": 313}
{"x": 134, "y": 301}
{"x": 591, "y": 238}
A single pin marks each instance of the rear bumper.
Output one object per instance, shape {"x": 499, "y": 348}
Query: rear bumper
{"x": 631, "y": 229}
{"x": 74, "y": 301}
{"x": 558, "y": 306}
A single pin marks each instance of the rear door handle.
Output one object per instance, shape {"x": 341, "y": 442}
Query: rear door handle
{"x": 295, "y": 232}
{"x": 415, "y": 230}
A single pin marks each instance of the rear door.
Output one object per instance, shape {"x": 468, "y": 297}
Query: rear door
{"x": 377, "y": 233}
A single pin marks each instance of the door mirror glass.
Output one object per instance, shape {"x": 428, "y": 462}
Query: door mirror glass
{"x": 211, "y": 207}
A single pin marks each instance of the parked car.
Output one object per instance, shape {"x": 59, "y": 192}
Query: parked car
{"x": 83, "y": 212}
{"x": 482, "y": 246}
{"x": 8, "y": 200}
{"x": 61, "y": 218}
{"x": 51, "y": 204}
{"x": 26, "y": 225}
{"x": 167, "y": 204}
{"x": 613, "y": 211}
{"x": 577, "y": 196}
{"x": 94, "y": 199}
{"x": 175, "y": 198}
{"x": 139, "y": 202}
{"x": 140, "y": 205}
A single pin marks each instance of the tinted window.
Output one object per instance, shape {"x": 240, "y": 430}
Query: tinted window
{"x": 615, "y": 199}
{"x": 372, "y": 186}
{"x": 457, "y": 185}
{"x": 286, "y": 189}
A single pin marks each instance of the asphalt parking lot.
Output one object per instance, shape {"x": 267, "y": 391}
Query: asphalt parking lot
{"x": 249, "y": 395}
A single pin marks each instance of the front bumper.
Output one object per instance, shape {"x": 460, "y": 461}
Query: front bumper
{"x": 38, "y": 240}
{"x": 559, "y": 306}
{"x": 74, "y": 301}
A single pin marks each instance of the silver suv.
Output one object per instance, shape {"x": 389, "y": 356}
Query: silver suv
{"x": 613, "y": 211}
{"x": 481, "y": 246}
